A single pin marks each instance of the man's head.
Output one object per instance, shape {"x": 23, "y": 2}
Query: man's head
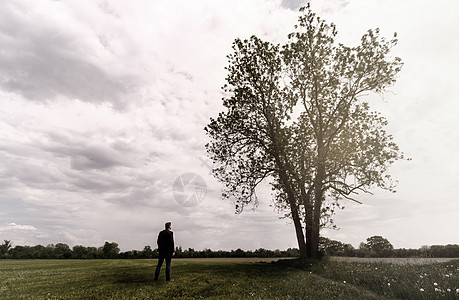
{"x": 168, "y": 225}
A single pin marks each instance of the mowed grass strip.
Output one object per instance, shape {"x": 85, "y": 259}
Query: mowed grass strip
{"x": 133, "y": 279}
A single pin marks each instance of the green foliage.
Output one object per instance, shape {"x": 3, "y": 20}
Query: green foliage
{"x": 4, "y": 248}
{"x": 110, "y": 250}
{"x": 62, "y": 250}
{"x": 333, "y": 147}
{"x": 335, "y": 248}
{"x": 377, "y": 246}
{"x": 443, "y": 250}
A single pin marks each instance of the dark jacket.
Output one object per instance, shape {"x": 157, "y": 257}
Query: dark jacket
{"x": 166, "y": 242}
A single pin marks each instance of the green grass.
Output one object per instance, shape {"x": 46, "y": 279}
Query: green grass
{"x": 395, "y": 280}
{"x": 133, "y": 279}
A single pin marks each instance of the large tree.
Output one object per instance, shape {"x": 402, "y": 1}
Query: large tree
{"x": 377, "y": 246}
{"x": 295, "y": 116}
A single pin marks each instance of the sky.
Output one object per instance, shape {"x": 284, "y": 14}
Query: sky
{"x": 103, "y": 105}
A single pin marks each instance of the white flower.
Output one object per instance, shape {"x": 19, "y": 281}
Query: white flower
{"x": 421, "y": 290}
{"x": 388, "y": 284}
{"x": 436, "y": 284}
{"x": 437, "y": 290}
{"x": 344, "y": 281}
{"x": 449, "y": 290}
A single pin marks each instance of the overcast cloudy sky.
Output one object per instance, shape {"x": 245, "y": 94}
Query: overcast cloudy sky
{"x": 103, "y": 105}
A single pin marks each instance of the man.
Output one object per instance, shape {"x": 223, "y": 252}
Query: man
{"x": 166, "y": 250}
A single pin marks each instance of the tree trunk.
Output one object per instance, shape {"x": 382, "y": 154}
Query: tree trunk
{"x": 295, "y": 214}
{"x": 309, "y": 246}
{"x": 313, "y": 218}
{"x": 314, "y": 211}
{"x": 293, "y": 205}
{"x": 312, "y": 235}
{"x": 299, "y": 231}
{"x": 316, "y": 224}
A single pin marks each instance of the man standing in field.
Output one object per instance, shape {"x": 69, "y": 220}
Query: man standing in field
{"x": 166, "y": 250}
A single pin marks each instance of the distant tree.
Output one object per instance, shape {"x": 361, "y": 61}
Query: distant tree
{"x": 407, "y": 253}
{"x": 335, "y": 248}
{"x": 261, "y": 252}
{"x": 207, "y": 253}
{"x": 39, "y": 251}
{"x": 80, "y": 251}
{"x": 62, "y": 250}
{"x": 424, "y": 251}
{"x": 4, "y": 248}
{"x": 147, "y": 252}
{"x": 292, "y": 252}
{"x": 238, "y": 253}
{"x": 48, "y": 251}
{"x": 189, "y": 253}
{"x": 93, "y": 252}
{"x": 20, "y": 252}
{"x": 378, "y": 246}
{"x": 178, "y": 251}
{"x": 110, "y": 250}
{"x": 444, "y": 250}
{"x": 296, "y": 118}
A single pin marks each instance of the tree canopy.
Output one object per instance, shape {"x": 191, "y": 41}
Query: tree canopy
{"x": 377, "y": 246}
{"x": 296, "y": 117}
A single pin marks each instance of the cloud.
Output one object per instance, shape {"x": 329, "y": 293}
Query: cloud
{"x": 44, "y": 57}
{"x": 16, "y": 227}
{"x": 20, "y": 234}
{"x": 293, "y": 4}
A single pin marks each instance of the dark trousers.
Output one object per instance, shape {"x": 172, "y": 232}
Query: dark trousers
{"x": 168, "y": 259}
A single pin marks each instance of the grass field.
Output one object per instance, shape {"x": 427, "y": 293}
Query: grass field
{"x": 133, "y": 279}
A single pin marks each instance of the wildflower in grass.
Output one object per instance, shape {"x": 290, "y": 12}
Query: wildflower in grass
{"x": 421, "y": 290}
{"x": 436, "y": 284}
{"x": 388, "y": 284}
{"x": 344, "y": 281}
{"x": 448, "y": 290}
{"x": 437, "y": 290}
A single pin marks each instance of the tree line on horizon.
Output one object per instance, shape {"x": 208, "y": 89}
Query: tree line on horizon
{"x": 111, "y": 250}
{"x": 375, "y": 246}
